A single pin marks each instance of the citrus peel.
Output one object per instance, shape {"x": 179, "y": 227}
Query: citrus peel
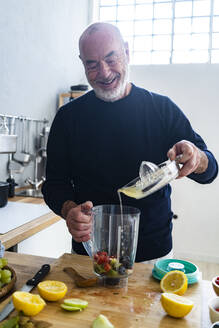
{"x": 175, "y": 282}
{"x": 30, "y": 304}
{"x": 176, "y": 306}
{"x": 52, "y": 290}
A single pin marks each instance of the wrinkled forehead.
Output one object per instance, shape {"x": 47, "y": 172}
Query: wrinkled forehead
{"x": 98, "y": 44}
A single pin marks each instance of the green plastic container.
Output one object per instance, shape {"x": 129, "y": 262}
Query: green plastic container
{"x": 161, "y": 268}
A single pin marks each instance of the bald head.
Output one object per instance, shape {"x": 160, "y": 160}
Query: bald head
{"x": 105, "y": 57}
{"x": 98, "y": 31}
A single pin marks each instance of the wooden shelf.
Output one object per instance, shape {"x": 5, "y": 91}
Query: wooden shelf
{"x": 69, "y": 95}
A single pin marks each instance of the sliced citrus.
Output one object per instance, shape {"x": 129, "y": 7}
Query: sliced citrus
{"x": 175, "y": 282}
{"x": 52, "y": 290}
{"x": 29, "y": 303}
{"x": 70, "y": 308}
{"x": 76, "y": 302}
{"x": 102, "y": 322}
{"x": 176, "y": 306}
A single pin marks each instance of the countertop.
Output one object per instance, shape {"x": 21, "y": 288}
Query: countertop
{"x": 137, "y": 306}
{"x": 15, "y": 236}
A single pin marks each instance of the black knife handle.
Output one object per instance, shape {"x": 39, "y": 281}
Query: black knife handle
{"x": 39, "y": 275}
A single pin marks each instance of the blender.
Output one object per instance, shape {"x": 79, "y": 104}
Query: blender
{"x": 113, "y": 243}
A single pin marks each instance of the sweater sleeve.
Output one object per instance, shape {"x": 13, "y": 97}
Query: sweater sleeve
{"x": 179, "y": 128}
{"x": 58, "y": 186}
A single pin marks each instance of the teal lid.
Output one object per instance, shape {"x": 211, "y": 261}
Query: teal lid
{"x": 161, "y": 267}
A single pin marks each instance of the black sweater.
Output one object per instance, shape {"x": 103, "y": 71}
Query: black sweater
{"x": 95, "y": 147}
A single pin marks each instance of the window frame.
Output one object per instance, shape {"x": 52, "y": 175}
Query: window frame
{"x": 95, "y": 9}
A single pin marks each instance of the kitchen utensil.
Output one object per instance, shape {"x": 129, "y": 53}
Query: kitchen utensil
{"x": 26, "y": 139}
{"x": 3, "y": 125}
{"x": 8, "y": 143}
{"x": 14, "y": 166}
{"x": 21, "y": 156}
{"x": 151, "y": 178}
{"x": 4, "y": 188}
{"x": 161, "y": 267}
{"x": 30, "y": 284}
{"x": 79, "y": 280}
{"x": 113, "y": 242}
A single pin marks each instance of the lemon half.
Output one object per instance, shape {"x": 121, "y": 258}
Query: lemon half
{"x": 176, "y": 306}
{"x": 175, "y": 282}
{"x": 52, "y": 290}
{"x": 29, "y": 303}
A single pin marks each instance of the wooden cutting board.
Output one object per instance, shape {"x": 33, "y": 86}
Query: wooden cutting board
{"x": 137, "y": 306}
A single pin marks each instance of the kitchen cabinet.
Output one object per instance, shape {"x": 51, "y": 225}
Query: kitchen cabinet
{"x": 52, "y": 241}
{"x": 46, "y": 234}
{"x": 66, "y": 97}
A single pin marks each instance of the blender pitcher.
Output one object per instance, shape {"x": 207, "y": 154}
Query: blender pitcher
{"x": 113, "y": 242}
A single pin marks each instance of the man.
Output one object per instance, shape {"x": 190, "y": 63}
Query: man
{"x": 98, "y": 141}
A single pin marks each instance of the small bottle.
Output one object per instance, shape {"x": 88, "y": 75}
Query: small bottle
{"x": 2, "y": 250}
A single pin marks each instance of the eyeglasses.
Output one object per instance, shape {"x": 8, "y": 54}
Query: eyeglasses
{"x": 111, "y": 60}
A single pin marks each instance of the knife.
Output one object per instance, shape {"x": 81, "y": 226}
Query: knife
{"x": 30, "y": 284}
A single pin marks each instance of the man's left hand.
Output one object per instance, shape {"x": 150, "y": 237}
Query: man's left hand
{"x": 193, "y": 159}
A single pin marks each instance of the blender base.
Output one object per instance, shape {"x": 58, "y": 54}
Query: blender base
{"x": 113, "y": 282}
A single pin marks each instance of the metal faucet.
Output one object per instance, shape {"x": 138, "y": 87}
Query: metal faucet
{"x": 35, "y": 183}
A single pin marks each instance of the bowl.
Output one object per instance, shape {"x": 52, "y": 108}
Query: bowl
{"x": 215, "y": 286}
{"x": 6, "y": 288}
{"x": 213, "y": 304}
{"x": 161, "y": 267}
{"x": 215, "y": 325}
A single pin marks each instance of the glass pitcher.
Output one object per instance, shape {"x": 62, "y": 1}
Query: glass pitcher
{"x": 113, "y": 242}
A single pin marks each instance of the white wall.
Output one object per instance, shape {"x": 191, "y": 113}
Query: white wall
{"x": 39, "y": 58}
{"x": 195, "y": 89}
{"x": 38, "y": 61}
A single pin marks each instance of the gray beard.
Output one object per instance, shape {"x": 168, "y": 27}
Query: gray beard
{"x": 118, "y": 93}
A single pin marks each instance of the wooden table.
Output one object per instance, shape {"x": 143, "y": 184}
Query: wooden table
{"x": 15, "y": 236}
{"x": 136, "y": 306}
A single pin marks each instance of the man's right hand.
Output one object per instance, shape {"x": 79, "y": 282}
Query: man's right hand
{"x": 78, "y": 220}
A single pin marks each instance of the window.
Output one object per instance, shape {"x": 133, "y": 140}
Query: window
{"x": 165, "y": 31}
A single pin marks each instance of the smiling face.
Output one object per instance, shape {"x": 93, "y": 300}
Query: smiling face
{"x": 105, "y": 57}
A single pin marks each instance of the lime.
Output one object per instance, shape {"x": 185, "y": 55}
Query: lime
{"x": 76, "y": 302}
{"x": 70, "y": 308}
{"x": 102, "y": 322}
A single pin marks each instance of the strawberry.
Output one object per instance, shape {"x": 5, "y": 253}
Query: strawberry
{"x": 107, "y": 267}
{"x": 104, "y": 253}
{"x": 217, "y": 309}
{"x": 96, "y": 257}
{"x": 101, "y": 259}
